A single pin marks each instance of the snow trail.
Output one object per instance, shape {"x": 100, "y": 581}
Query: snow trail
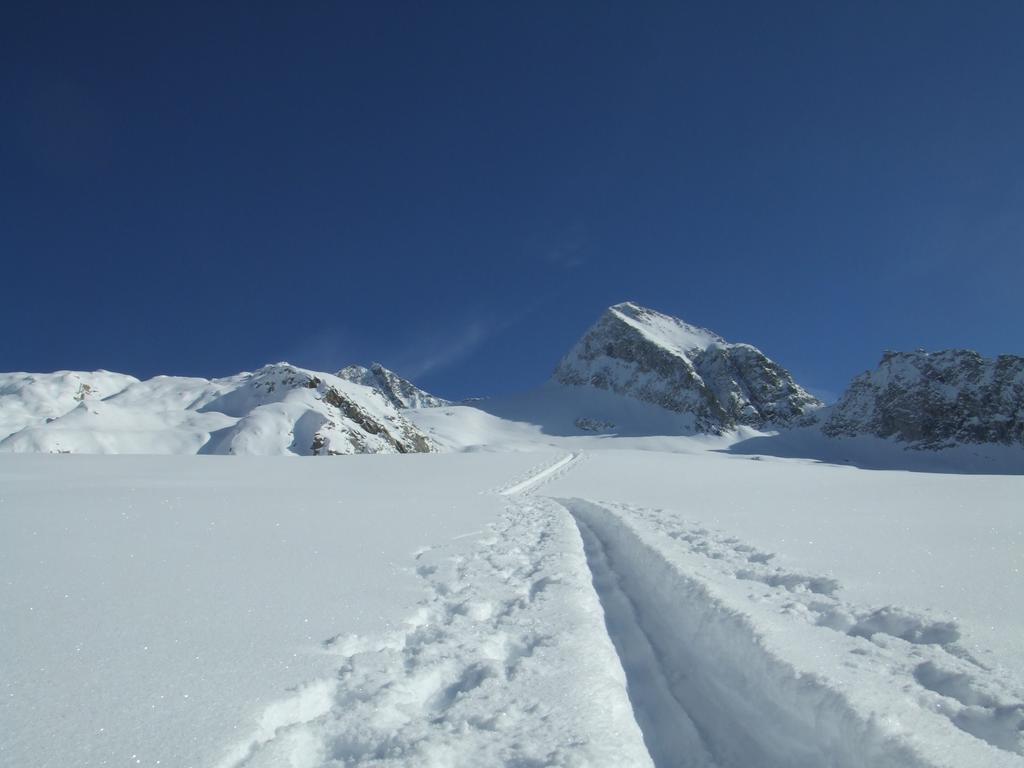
{"x": 733, "y": 663}
{"x": 505, "y": 663}
{"x": 538, "y": 478}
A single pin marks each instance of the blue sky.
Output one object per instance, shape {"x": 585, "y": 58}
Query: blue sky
{"x": 459, "y": 189}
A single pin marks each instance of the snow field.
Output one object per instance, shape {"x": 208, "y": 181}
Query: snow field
{"x": 484, "y": 609}
{"x": 727, "y": 659}
{"x": 153, "y": 607}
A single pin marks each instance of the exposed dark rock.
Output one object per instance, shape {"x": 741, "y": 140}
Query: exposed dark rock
{"x": 935, "y": 399}
{"x": 402, "y": 393}
{"x": 344, "y": 425}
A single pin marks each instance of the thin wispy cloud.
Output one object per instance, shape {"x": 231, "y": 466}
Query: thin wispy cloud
{"x": 564, "y": 247}
{"x": 440, "y": 352}
{"x": 440, "y": 349}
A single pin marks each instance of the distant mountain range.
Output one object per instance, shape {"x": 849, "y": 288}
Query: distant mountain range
{"x": 702, "y": 383}
{"x": 279, "y": 409}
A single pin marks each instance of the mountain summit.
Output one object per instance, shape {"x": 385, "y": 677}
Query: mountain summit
{"x": 659, "y": 359}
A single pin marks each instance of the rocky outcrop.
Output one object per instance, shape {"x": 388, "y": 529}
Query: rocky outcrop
{"x": 659, "y": 359}
{"x": 935, "y": 399}
{"x": 401, "y": 392}
{"x": 328, "y": 415}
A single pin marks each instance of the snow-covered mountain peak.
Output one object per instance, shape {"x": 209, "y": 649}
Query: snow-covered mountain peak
{"x": 666, "y": 331}
{"x": 650, "y": 356}
{"x": 401, "y": 392}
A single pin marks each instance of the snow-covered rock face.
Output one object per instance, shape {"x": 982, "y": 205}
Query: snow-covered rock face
{"x": 659, "y": 359}
{"x": 279, "y": 409}
{"x": 323, "y": 414}
{"x": 935, "y": 399}
{"x": 401, "y": 392}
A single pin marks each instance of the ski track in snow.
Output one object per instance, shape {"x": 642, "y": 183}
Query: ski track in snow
{"x": 690, "y": 648}
{"x": 538, "y": 476}
{"x": 580, "y": 633}
{"x": 670, "y": 734}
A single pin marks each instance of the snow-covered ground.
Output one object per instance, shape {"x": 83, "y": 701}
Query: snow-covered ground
{"x": 155, "y": 606}
{"x": 543, "y": 596}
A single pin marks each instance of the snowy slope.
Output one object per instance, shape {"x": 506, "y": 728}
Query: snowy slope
{"x": 548, "y": 414}
{"x": 640, "y": 353}
{"x": 28, "y": 399}
{"x": 279, "y": 409}
{"x": 401, "y": 392}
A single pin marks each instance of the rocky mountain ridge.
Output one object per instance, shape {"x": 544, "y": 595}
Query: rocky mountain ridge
{"x": 935, "y": 399}
{"x": 401, "y": 392}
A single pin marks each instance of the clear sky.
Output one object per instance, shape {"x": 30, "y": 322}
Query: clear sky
{"x": 459, "y": 189}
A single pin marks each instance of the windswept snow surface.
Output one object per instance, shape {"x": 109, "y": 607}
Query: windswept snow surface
{"x": 552, "y": 595}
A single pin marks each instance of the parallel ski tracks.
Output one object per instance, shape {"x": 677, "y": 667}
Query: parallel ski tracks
{"x": 532, "y": 482}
